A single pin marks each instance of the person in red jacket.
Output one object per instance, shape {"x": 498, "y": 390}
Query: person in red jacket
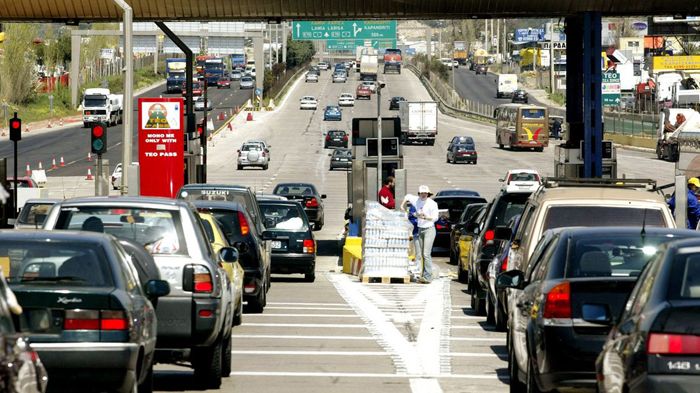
{"x": 386, "y": 194}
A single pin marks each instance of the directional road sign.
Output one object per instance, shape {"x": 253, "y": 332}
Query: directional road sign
{"x": 611, "y": 89}
{"x": 348, "y": 29}
{"x": 352, "y": 44}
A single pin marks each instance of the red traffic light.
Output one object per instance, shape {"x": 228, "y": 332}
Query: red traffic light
{"x": 98, "y": 131}
{"x": 15, "y": 124}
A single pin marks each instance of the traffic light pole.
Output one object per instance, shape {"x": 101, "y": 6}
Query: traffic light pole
{"x": 99, "y": 186}
{"x": 205, "y": 131}
{"x": 14, "y": 190}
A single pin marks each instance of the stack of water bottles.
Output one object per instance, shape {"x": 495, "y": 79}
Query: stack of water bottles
{"x": 385, "y": 242}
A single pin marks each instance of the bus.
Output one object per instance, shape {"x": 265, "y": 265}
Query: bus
{"x": 521, "y": 126}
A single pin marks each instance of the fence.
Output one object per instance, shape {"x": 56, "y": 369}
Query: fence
{"x": 102, "y": 68}
{"x": 640, "y": 125}
{"x": 281, "y": 83}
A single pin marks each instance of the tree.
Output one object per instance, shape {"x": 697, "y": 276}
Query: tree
{"x": 299, "y": 52}
{"x": 17, "y": 68}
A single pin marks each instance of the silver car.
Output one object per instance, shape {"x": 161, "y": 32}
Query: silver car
{"x": 339, "y": 77}
{"x": 247, "y": 83}
{"x": 199, "y": 104}
{"x": 311, "y": 77}
{"x": 236, "y": 75}
{"x": 34, "y": 213}
{"x": 253, "y": 154}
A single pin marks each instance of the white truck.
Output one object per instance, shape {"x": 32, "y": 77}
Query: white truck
{"x": 419, "y": 122}
{"x": 675, "y": 87}
{"x": 506, "y": 85}
{"x": 100, "y": 105}
{"x": 369, "y": 65}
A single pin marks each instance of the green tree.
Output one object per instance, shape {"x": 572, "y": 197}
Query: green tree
{"x": 299, "y": 52}
{"x": 17, "y": 68}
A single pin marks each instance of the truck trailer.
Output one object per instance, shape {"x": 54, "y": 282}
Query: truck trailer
{"x": 419, "y": 122}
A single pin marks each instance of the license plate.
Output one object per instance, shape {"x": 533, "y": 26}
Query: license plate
{"x": 344, "y": 159}
{"x": 276, "y": 244}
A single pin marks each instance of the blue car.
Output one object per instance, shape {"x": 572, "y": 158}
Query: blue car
{"x": 332, "y": 113}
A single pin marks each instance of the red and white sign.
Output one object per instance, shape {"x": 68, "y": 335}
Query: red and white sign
{"x": 161, "y": 146}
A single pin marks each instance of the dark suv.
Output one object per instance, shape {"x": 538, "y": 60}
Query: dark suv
{"x": 336, "y": 138}
{"x": 238, "y": 209}
{"x": 485, "y": 244}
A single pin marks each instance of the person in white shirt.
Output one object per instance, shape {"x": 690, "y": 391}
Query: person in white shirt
{"x": 427, "y": 213}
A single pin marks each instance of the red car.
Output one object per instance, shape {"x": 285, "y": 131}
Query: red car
{"x": 363, "y": 91}
{"x": 223, "y": 82}
{"x": 196, "y": 89}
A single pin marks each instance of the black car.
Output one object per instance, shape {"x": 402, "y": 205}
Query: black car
{"x": 465, "y": 152}
{"x": 484, "y": 243}
{"x": 457, "y": 191}
{"x": 85, "y": 310}
{"x": 460, "y": 140}
{"x": 497, "y": 298}
{"x": 655, "y": 344}
{"x": 570, "y": 295}
{"x": 293, "y": 247}
{"x": 341, "y": 158}
{"x": 309, "y": 197}
{"x": 520, "y": 95}
{"x": 455, "y": 206}
{"x": 458, "y": 228}
{"x": 480, "y": 69}
{"x": 335, "y": 138}
{"x": 394, "y": 103}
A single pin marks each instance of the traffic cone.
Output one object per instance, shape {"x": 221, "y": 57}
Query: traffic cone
{"x": 62, "y": 164}
{"x": 89, "y": 175}
{"x": 53, "y": 163}
{"x": 60, "y": 123}
{"x": 28, "y": 172}
{"x": 41, "y": 168}
{"x": 49, "y": 125}
{"x": 89, "y": 157}
{"x": 250, "y": 116}
{"x": 221, "y": 116}
{"x": 230, "y": 127}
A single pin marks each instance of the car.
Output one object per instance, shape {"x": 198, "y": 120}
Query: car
{"x": 20, "y": 365}
{"x": 481, "y": 69}
{"x": 451, "y": 208}
{"x": 340, "y": 77}
{"x": 197, "y": 89}
{"x": 652, "y": 346}
{"x": 308, "y": 102}
{"x": 236, "y": 75}
{"x": 171, "y": 231}
{"x": 103, "y": 333}
{"x": 116, "y": 177}
{"x": 199, "y": 104}
{"x": 247, "y": 82}
{"x": 372, "y": 85}
{"x": 455, "y": 64}
{"x": 332, "y": 113}
{"x": 336, "y": 138}
{"x": 341, "y": 158}
{"x": 34, "y": 212}
{"x": 520, "y": 95}
{"x": 521, "y": 180}
{"x": 394, "y": 103}
{"x": 236, "y": 207}
{"x": 363, "y": 91}
{"x": 22, "y": 182}
{"x": 465, "y": 152}
{"x": 568, "y": 298}
{"x": 214, "y": 229}
{"x": 307, "y": 194}
{"x": 311, "y": 77}
{"x": 294, "y": 247}
{"x": 322, "y": 65}
{"x": 457, "y": 191}
{"x": 346, "y": 99}
{"x": 496, "y": 311}
{"x": 223, "y": 82}
{"x": 264, "y": 146}
{"x": 447, "y": 63}
{"x": 460, "y": 140}
{"x": 463, "y": 234}
{"x": 252, "y": 154}
{"x": 315, "y": 70}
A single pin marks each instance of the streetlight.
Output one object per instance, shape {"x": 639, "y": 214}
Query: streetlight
{"x": 380, "y": 86}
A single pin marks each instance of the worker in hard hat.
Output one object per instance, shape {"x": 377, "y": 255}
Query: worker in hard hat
{"x": 693, "y": 205}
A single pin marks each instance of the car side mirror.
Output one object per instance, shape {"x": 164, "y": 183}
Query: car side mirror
{"x": 268, "y": 235}
{"x": 228, "y": 254}
{"x": 501, "y": 180}
{"x": 503, "y": 233}
{"x": 323, "y": 196}
{"x": 157, "y": 288}
{"x": 511, "y": 279}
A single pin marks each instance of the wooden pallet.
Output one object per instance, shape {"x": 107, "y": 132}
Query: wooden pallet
{"x": 386, "y": 280}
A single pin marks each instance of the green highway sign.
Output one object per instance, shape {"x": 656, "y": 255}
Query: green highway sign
{"x": 347, "y": 29}
{"x": 352, "y": 44}
{"x": 611, "y": 89}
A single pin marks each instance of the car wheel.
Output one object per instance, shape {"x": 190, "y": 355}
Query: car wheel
{"x": 240, "y": 167}
{"x": 207, "y": 365}
{"x": 500, "y": 146}
{"x": 447, "y": 159}
{"x": 318, "y": 226}
{"x": 265, "y": 167}
{"x": 257, "y": 305}
{"x": 238, "y": 316}
{"x": 659, "y": 154}
{"x": 490, "y": 319}
{"x": 147, "y": 385}
{"x": 226, "y": 357}
{"x": 515, "y": 385}
{"x": 478, "y": 305}
{"x": 453, "y": 257}
{"x": 472, "y": 295}
{"x": 310, "y": 277}
{"x": 531, "y": 381}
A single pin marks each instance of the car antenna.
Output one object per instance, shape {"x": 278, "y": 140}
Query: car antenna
{"x": 644, "y": 225}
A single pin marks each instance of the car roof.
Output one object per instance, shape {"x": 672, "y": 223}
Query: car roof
{"x": 208, "y": 186}
{"x": 598, "y": 193}
{"x": 42, "y": 201}
{"x": 125, "y": 200}
{"x": 591, "y": 231}
{"x": 474, "y": 197}
{"x": 278, "y": 202}
{"x": 224, "y": 205}
{"x": 523, "y": 171}
{"x": 295, "y": 184}
{"x": 68, "y": 235}
{"x": 458, "y": 191}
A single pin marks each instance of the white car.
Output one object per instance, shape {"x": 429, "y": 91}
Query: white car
{"x": 346, "y": 99}
{"x": 323, "y": 65}
{"x": 339, "y": 77}
{"x": 252, "y": 154}
{"x": 521, "y": 180}
{"x": 116, "y": 177}
{"x": 308, "y": 102}
{"x": 311, "y": 77}
{"x": 372, "y": 85}
{"x": 199, "y": 104}
{"x": 247, "y": 82}
{"x": 263, "y": 144}
{"x": 447, "y": 63}
{"x": 455, "y": 64}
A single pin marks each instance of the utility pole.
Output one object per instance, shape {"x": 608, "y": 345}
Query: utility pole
{"x": 551, "y": 56}
{"x": 284, "y": 44}
{"x": 498, "y": 37}
{"x": 127, "y": 126}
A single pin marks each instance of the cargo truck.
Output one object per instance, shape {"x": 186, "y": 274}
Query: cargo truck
{"x": 460, "y": 56}
{"x": 368, "y": 67}
{"x": 392, "y": 60}
{"x": 506, "y": 85}
{"x": 101, "y": 106}
{"x": 419, "y": 122}
{"x": 238, "y": 61}
{"x": 174, "y": 75}
{"x": 213, "y": 70}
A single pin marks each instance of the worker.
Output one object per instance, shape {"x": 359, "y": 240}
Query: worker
{"x": 386, "y": 194}
{"x": 693, "y": 205}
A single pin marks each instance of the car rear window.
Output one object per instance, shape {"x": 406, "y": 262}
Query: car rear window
{"x": 523, "y": 176}
{"x": 685, "y": 276}
{"x": 284, "y": 217}
{"x": 56, "y": 263}
{"x": 229, "y": 222}
{"x": 342, "y": 153}
{"x": 466, "y": 147}
{"x": 293, "y": 190}
{"x": 456, "y": 206}
{"x": 159, "y": 231}
{"x": 507, "y": 207}
{"x": 621, "y": 255}
{"x": 601, "y": 216}
{"x": 250, "y": 147}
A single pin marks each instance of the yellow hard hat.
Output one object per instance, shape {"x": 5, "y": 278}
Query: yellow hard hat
{"x": 694, "y": 181}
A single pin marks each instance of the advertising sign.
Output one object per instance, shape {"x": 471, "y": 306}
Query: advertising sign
{"x": 672, "y": 63}
{"x": 611, "y": 89}
{"x": 161, "y": 141}
{"x": 107, "y": 53}
{"x": 528, "y": 35}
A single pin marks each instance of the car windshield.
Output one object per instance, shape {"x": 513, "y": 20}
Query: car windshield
{"x": 294, "y": 189}
{"x": 34, "y": 213}
{"x": 456, "y": 206}
{"x": 523, "y": 176}
{"x": 346, "y": 96}
{"x": 159, "y": 231}
{"x": 336, "y": 133}
{"x": 284, "y": 217}
{"x": 308, "y": 98}
{"x": 601, "y": 216}
{"x": 685, "y": 276}
{"x": 332, "y": 109}
{"x": 246, "y": 79}
{"x": 56, "y": 263}
{"x": 612, "y": 255}
{"x": 465, "y": 147}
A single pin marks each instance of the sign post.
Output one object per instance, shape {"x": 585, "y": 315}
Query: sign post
{"x": 611, "y": 89}
{"x": 161, "y": 137}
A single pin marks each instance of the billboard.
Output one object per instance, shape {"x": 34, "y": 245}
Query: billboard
{"x": 161, "y": 146}
{"x": 529, "y": 35}
{"x": 670, "y": 63}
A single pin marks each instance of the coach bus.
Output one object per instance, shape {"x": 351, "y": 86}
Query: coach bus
{"x": 521, "y": 126}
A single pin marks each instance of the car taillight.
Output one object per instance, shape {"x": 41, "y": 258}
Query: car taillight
{"x": 504, "y": 264}
{"x": 264, "y": 154}
{"x": 313, "y": 202}
{"x": 113, "y": 320}
{"x": 440, "y": 226}
{"x": 95, "y": 320}
{"x": 345, "y": 138}
{"x": 558, "y": 303}
{"x": 202, "y": 280}
{"x": 245, "y": 228}
{"x": 673, "y": 344}
{"x": 309, "y": 246}
{"x": 489, "y": 235}
{"x": 328, "y": 137}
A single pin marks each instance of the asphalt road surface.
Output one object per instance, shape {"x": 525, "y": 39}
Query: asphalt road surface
{"x": 338, "y": 335}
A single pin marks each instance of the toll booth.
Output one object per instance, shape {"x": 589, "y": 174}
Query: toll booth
{"x": 569, "y": 162}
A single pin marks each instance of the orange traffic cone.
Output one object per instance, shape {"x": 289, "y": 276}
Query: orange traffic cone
{"x": 250, "y": 116}
{"x": 89, "y": 157}
{"x": 53, "y": 163}
{"x": 230, "y": 127}
{"x": 221, "y": 116}
{"x": 28, "y": 172}
{"x": 89, "y": 175}
{"x": 62, "y": 164}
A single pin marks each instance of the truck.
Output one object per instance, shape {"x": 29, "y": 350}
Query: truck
{"x": 213, "y": 70}
{"x": 392, "y": 60}
{"x": 238, "y": 61}
{"x": 677, "y": 89}
{"x": 358, "y": 57}
{"x": 674, "y": 123}
{"x": 419, "y": 122}
{"x": 174, "y": 74}
{"x": 506, "y": 84}
{"x": 460, "y": 55}
{"x": 368, "y": 67}
{"x": 101, "y": 106}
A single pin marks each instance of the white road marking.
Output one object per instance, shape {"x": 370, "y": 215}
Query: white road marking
{"x": 294, "y": 337}
{"x": 425, "y": 385}
{"x": 472, "y": 355}
{"x": 358, "y": 375}
{"x": 308, "y": 308}
{"x": 309, "y": 325}
{"x": 306, "y": 315}
{"x": 310, "y": 304}
{"x": 477, "y": 339}
{"x": 314, "y": 353}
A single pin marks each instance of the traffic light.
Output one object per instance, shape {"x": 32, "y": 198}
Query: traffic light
{"x": 200, "y": 128}
{"x": 98, "y": 138}
{"x": 15, "y": 128}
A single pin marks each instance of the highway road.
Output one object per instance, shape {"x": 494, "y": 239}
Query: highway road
{"x": 337, "y": 335}
{"x": 73, "y": 142}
